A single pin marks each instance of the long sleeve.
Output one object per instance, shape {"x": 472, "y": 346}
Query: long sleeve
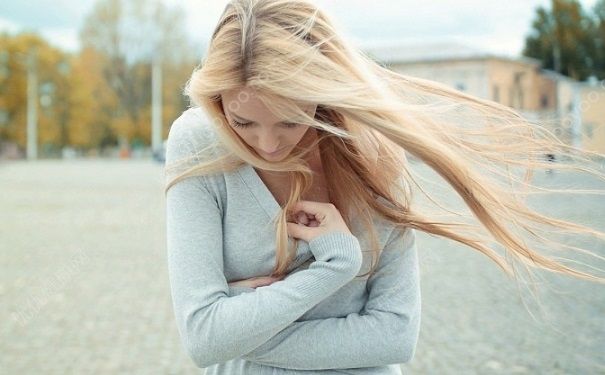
{"x": 215, "y": 327}
{"x": 385, "y": 332}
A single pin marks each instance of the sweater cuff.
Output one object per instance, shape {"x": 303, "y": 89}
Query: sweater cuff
{"x": 339, "y": 244}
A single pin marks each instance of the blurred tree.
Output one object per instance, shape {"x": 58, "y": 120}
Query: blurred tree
{"x": 126, "y": 35}
{"x": 51, "y": 67}
{"x": 92, "y": 103}
{"x": 563, "y": 38}
{"x": 175, "y": 78}
{"x": 599, "y": 12}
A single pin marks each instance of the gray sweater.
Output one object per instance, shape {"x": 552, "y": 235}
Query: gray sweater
{"x": 319, "y": 317}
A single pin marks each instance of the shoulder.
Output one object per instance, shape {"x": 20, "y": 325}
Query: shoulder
{"x": 190, "y": 134}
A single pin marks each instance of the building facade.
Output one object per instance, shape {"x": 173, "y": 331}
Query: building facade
{"x": 573, "y": 111}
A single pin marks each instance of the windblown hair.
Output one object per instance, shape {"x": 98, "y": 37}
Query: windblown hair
{"x": 374, "y": 125}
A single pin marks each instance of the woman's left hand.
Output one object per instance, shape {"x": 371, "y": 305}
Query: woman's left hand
{"x": 255, "y": 282}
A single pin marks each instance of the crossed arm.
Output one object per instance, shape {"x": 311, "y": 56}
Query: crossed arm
{"x": 384, "y": 332}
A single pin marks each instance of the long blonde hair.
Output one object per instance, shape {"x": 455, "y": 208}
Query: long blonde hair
{"x": 369, "y": 120}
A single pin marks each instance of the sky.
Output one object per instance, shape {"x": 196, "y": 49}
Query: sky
{"x": 494, "y": 26}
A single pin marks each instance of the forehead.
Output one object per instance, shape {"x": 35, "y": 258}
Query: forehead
{"x": 245, "y": 97}
{"x": 249, "y": 100}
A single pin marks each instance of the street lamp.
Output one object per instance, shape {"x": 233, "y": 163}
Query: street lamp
{"x": 47, "y": 90}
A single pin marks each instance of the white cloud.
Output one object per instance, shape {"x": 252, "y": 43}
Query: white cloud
{"x": 62, "y": 38}
{"x": 66, "y": 39}
{"x": 8, "y": 25}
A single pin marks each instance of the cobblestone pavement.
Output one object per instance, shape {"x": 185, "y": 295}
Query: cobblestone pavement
{"x": 84, "y": 286}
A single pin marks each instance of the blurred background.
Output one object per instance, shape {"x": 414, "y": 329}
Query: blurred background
{"x": 89, "y": 90}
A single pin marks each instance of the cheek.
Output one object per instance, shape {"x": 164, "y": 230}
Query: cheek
{"x": 242, "y": 135}
{"x": 291, "y": 138}
{"x": 296, "y": 138}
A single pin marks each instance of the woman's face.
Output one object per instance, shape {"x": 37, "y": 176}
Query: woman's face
{"x": 272, "y": 138}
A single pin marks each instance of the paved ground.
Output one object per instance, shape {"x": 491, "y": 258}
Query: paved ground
{"x": 84, "y": 288}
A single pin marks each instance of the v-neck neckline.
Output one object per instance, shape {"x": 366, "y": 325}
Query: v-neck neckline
{"x": 269, "y": 204}
{"x": 260, "y": 190}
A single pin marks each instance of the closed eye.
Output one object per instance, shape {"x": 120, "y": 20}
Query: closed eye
{"x": 240, "y": 125}
{"x": 247, "y": 124}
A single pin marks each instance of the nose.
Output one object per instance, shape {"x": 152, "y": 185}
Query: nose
{"x": 268, "y": 143}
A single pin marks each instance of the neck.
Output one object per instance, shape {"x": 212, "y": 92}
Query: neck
{"x": 313, "y": 157}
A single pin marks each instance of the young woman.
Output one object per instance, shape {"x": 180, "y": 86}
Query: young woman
{"x": 290, "y": 221}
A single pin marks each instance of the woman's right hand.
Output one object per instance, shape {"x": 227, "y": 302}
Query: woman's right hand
{"x": 314, "y": 219}
{"x": 256, "y": 282}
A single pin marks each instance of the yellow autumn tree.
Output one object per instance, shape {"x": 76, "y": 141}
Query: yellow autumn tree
{"x": 51, "y": 67}
{"x": 92, "y": 103}
{"x": 128, "y": 52}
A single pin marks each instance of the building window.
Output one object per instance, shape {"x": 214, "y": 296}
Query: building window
{"x": 516, "y": 97}
{"x": 544, "y": 101}
{"x": 496, "y": 94}
{"x": 516, "y": 94}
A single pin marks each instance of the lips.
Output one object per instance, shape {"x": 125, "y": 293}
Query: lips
{"x": 275, "y": 152}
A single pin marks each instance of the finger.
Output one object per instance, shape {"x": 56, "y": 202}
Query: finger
{"x": 298, "y": 231}
{"x": 269, "y": 280}
{"x": 263, "y": 279}
{"x": 302, "y": 218}
{"x": 311, "y": 207}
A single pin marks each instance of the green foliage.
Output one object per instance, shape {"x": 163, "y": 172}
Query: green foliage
{"x": 569, "y": 40}
{"x": 599, "y": 16}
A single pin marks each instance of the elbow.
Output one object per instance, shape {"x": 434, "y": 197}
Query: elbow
{"x": 207, "y": 352}
{"x": 209, "y": 344}
{"x": 202, "y": 351}
{"x": 405, "y": 353}
{"x": 198, "y": 355}
{"x": 202, "y": 355}
{"x": 406, "y": 339}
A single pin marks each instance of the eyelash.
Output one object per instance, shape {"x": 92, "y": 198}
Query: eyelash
{"x": 241, "y": 125}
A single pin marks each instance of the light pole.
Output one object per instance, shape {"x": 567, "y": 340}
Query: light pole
{"x": 32, "y": 105}
{"x": 4, "y": 72}
{"x": 156, "y": 102}
{"x": 29, "y": 59}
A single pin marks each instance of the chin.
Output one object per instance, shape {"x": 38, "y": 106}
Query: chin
{"x": 280, "y": 156}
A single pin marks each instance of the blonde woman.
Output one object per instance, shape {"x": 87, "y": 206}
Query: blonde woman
{"x": 291, "y": 228}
